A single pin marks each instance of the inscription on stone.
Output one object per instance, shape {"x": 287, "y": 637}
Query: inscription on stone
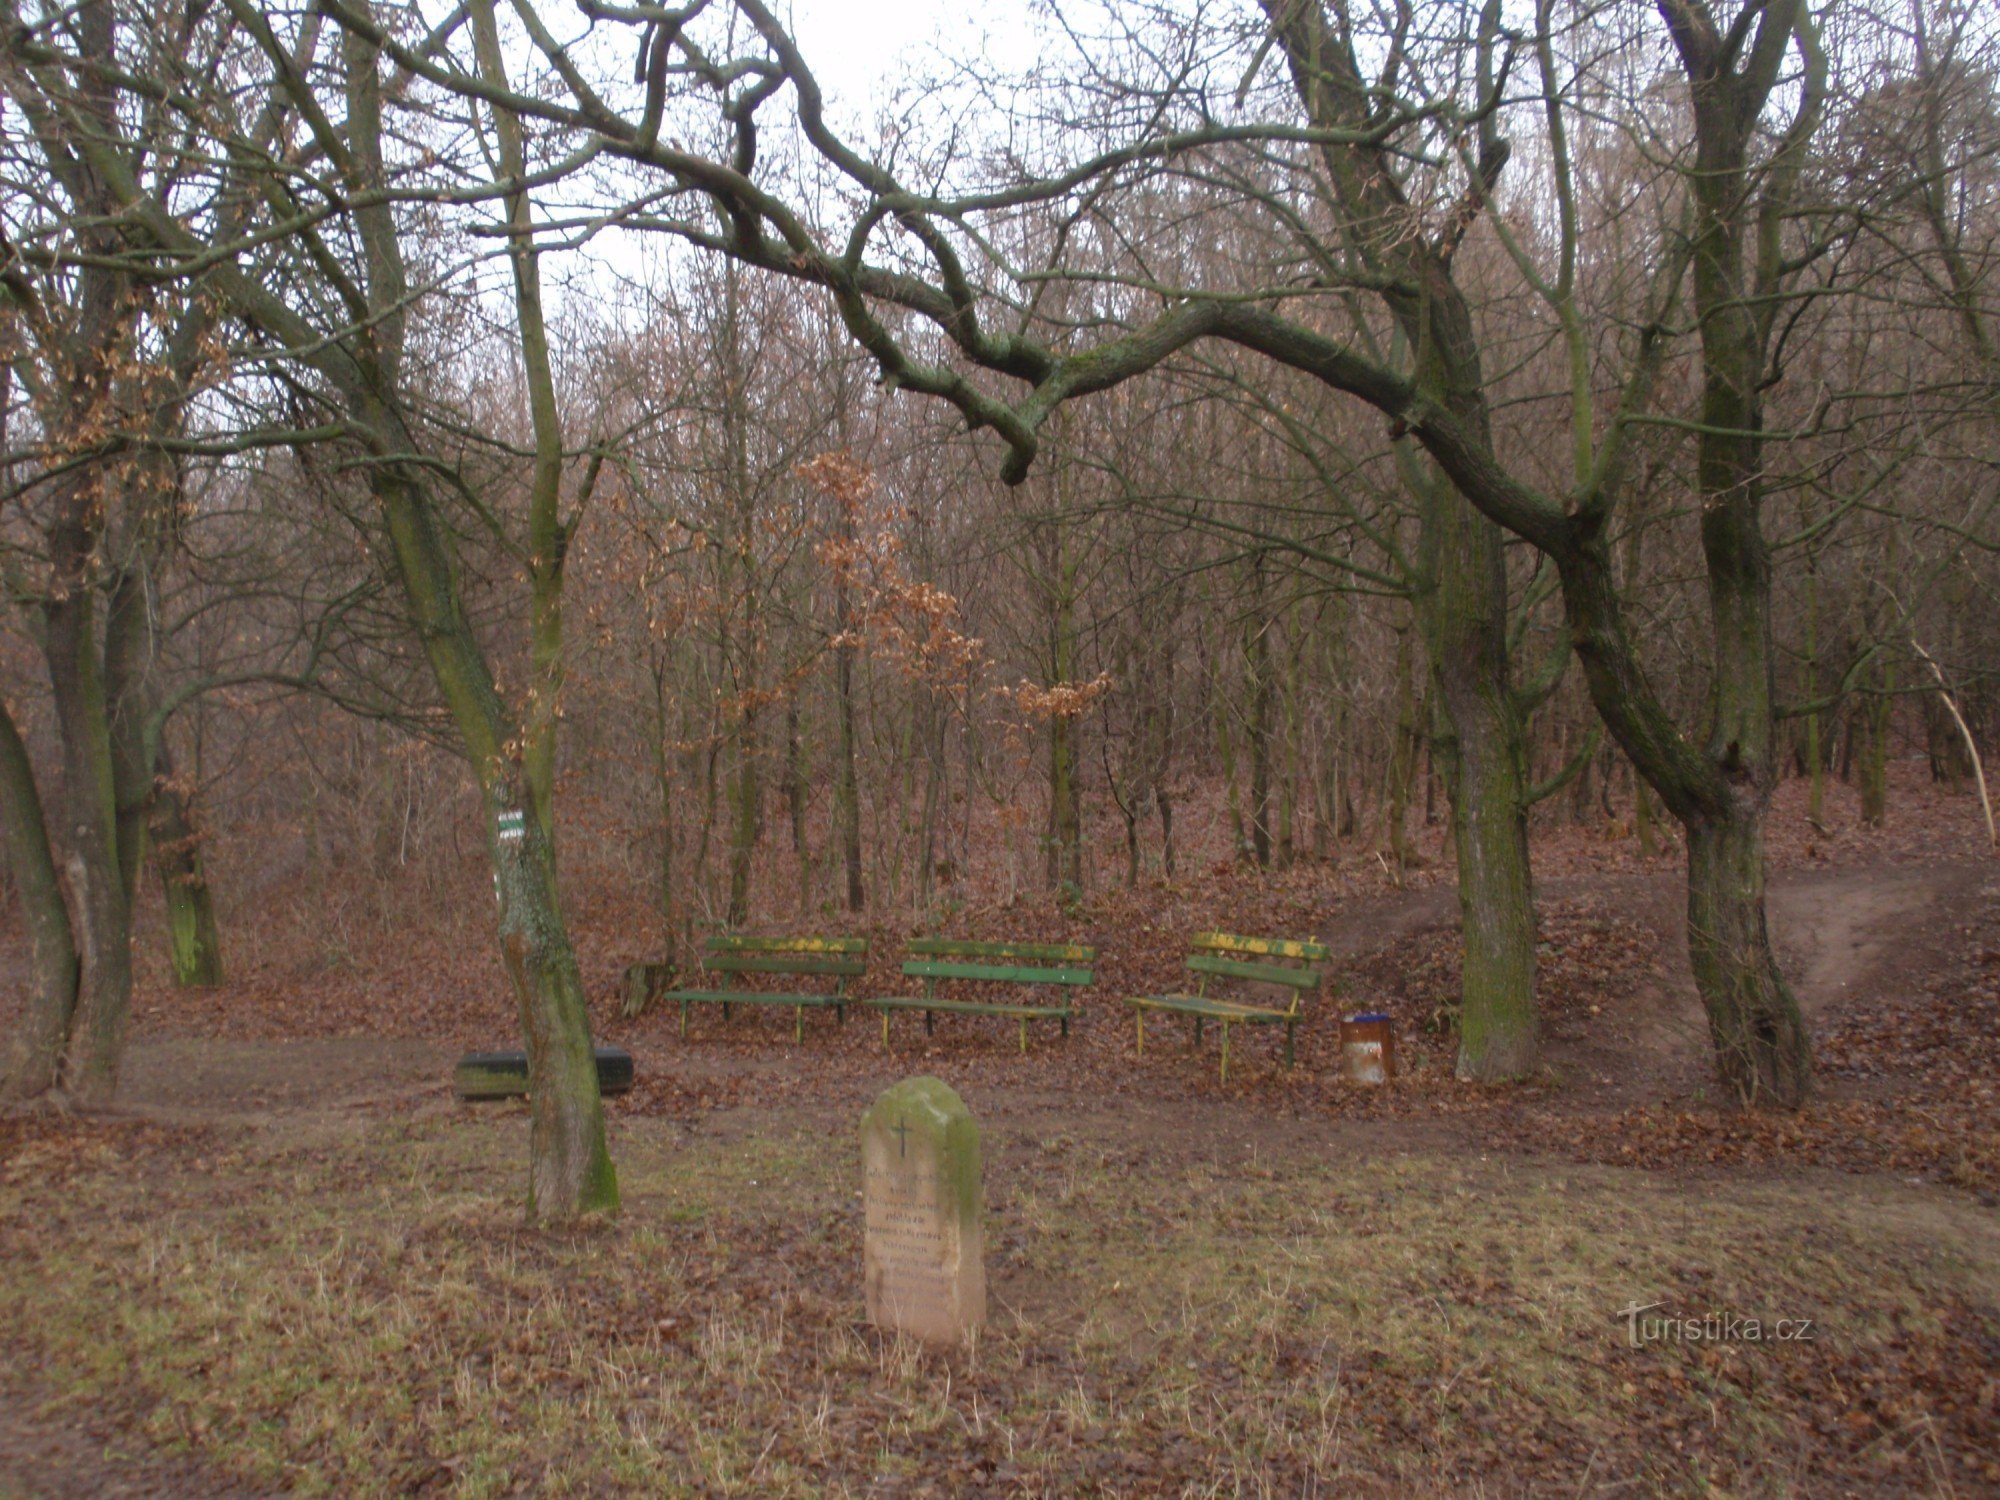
{"x": 923, "y": 1256}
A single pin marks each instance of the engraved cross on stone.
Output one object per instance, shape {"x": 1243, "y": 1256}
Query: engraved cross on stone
{"x": 902, "y": 1134}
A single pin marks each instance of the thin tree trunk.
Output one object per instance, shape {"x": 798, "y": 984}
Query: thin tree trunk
{"x": 1257, "y": 665}
{"x": 663, "y": 783}
{"x": 1225, "y": 749}
{"x": 1402, "y": 757}
{"x": 1065, "y": 864}
{"x": 744, "y": 797}
{"x": 1878, "y": 716}
{"x": 847, "y": 788}
{"x": 1288, "y": 779}
{"x": 1815, "y": 748}
{"x": 194, "y": 944}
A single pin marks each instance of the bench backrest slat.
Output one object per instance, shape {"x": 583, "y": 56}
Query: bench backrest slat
{"x": 1223, "y": 942}
{"x": 924, "y": 968}
{"x": 1058, "y": 953}
{"x": 1229, "y": 968}
{"x": 785, "y": 963}
{"x": 828, "y": 945}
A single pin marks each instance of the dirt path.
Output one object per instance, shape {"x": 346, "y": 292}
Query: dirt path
{"x": 50, "y": 1456}
{"x": 1842, "y": 933}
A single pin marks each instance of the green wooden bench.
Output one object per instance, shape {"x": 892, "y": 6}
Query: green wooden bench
{"x": 838, "y": 959}
{"x": 1238, "y": 962}
{"x": 1062, "y": 967}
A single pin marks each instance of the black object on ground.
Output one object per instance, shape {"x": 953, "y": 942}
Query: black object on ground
{"x": 504, "y": 1075}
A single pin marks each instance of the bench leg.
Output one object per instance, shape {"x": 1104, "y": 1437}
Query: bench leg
{"x": 1139, "y": 1049}
{"x": 1225, "y": 1052}
{"x": 840, "y": 1011}
{"x": 1197, "y": 1031}
{"x": 1024, "y": 1036}
{"x": 1288, "y": 1042}
{"x": 885, "y": 1031}
{"x": 684, "y": 1018}
{"x": 930, "y": 1024}
{"x": 1065, "y": 1025}
{"x": 798, "y": 1023}
{"x": 725, "y": 1010}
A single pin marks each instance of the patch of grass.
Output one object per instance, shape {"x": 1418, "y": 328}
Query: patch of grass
{"x": 370, "y": 1318}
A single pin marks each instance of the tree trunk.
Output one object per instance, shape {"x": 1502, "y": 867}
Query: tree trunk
{"x": 1497, "y": 1036}
{"x": 744, "y": 797}
{"x": 569, "y": 1169}
{"x": 1761, "y": 1047}
{"x": 1288, "y": 779}
{"x": 1815, "y": 748}
{"x": 1481, "y": 744}
{"x": 1225, "y": 749}
{"x": 193, "y": 941}
{"x": 33, "y": 1060}
{"x": 847, "y": 788}
{"x": 663, "y": 786}
{"x": 1402, "y": 757}
{"x": 1065, "y": 862}
{"x": 1878, "y": 713}
{"x": 102, "y": 914}
{"x": 1065, "y": 810}
{"x": 1257, "y": 665}
{"x": 1643, "y": 816}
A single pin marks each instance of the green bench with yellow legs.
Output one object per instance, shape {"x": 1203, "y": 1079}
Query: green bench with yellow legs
{"x": 1063, "y": 968}
{"x": 837, "y": 959}
{"x": 1235, "y": 963}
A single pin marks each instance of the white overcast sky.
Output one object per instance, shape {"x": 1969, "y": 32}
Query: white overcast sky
{"x": 857, "y": 50}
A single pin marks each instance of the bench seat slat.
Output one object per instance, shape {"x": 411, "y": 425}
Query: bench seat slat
{"x": 751, "y": 997}
{"x": 924, "y": 968}
{"x": 1231, "y": 968}
{"x": 1209, "y": 1006}
{"x": 967, "y": 1007}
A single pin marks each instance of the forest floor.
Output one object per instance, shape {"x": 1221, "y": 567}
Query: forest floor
{"x": 290, "y": 1262}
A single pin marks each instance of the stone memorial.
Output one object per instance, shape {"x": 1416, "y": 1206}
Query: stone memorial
{"x": 924, "y": 1251}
